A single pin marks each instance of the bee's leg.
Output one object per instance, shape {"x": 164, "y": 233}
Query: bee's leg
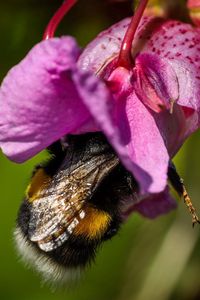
{"x": 180, "y": 188}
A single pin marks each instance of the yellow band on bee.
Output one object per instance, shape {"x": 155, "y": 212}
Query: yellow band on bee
{"x": 94, "y": 224}
{"x": 39, "y": 180}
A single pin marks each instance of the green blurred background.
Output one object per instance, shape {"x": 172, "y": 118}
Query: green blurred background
{"x": 148, "y": 260}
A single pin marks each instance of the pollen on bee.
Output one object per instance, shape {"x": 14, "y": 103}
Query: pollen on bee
{"x": 94, "y": 223}
{"x": 38, "y": 182}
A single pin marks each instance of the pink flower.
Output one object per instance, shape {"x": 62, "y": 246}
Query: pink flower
{"x": 139, "y": 85}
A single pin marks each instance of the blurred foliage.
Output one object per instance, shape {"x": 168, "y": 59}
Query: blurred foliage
{"x": 156, "y": 259}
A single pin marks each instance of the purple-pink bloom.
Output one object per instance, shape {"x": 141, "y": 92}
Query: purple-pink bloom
{"x": 146, "y": 110}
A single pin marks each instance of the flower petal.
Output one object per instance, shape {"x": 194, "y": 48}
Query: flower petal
{"x": 144, "y": 143}
{"x": 175, "y": 42}
{"x": 155, "y": 205}
{"x": 39, "y": 101}
{"x": 131, "y": 129}
{"x": 155, "y": 81}
{"x": 178, "y": 44}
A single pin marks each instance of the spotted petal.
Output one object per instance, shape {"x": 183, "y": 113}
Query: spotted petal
{"x": 174, "y": 43}
{"x": 178, "y": 44}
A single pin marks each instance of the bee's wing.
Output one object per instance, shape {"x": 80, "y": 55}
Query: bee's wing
{"x": 59, "y": 208}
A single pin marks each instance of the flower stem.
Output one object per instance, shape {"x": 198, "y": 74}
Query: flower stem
{"x": 57, "y": 18}
{"x": 125, "y": 59}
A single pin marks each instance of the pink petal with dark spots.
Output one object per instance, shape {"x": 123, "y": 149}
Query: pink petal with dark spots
{"x": 178, "y": 44}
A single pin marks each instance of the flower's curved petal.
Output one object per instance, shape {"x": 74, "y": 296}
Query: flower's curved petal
{"x": 176, "y": 127}
{"x": 140, "y": 135}
{"x": 131, "y": 129}
{"x": 156, "y": 85}
{"x": 39, "y": 100}
{"x": 172, "y": 127}
{"x": 155, "y": 81}
{"x": 178, "y": 44}
{"x": 144, "y": 143}
{"x": 155, "y": 205}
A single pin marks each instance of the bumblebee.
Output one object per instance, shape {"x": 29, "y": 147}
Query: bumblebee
{"x": 72, "y": 204}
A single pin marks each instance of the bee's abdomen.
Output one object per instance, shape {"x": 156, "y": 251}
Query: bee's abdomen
{"x": 80, "y": 247}
{"x": 75, "y": 252}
